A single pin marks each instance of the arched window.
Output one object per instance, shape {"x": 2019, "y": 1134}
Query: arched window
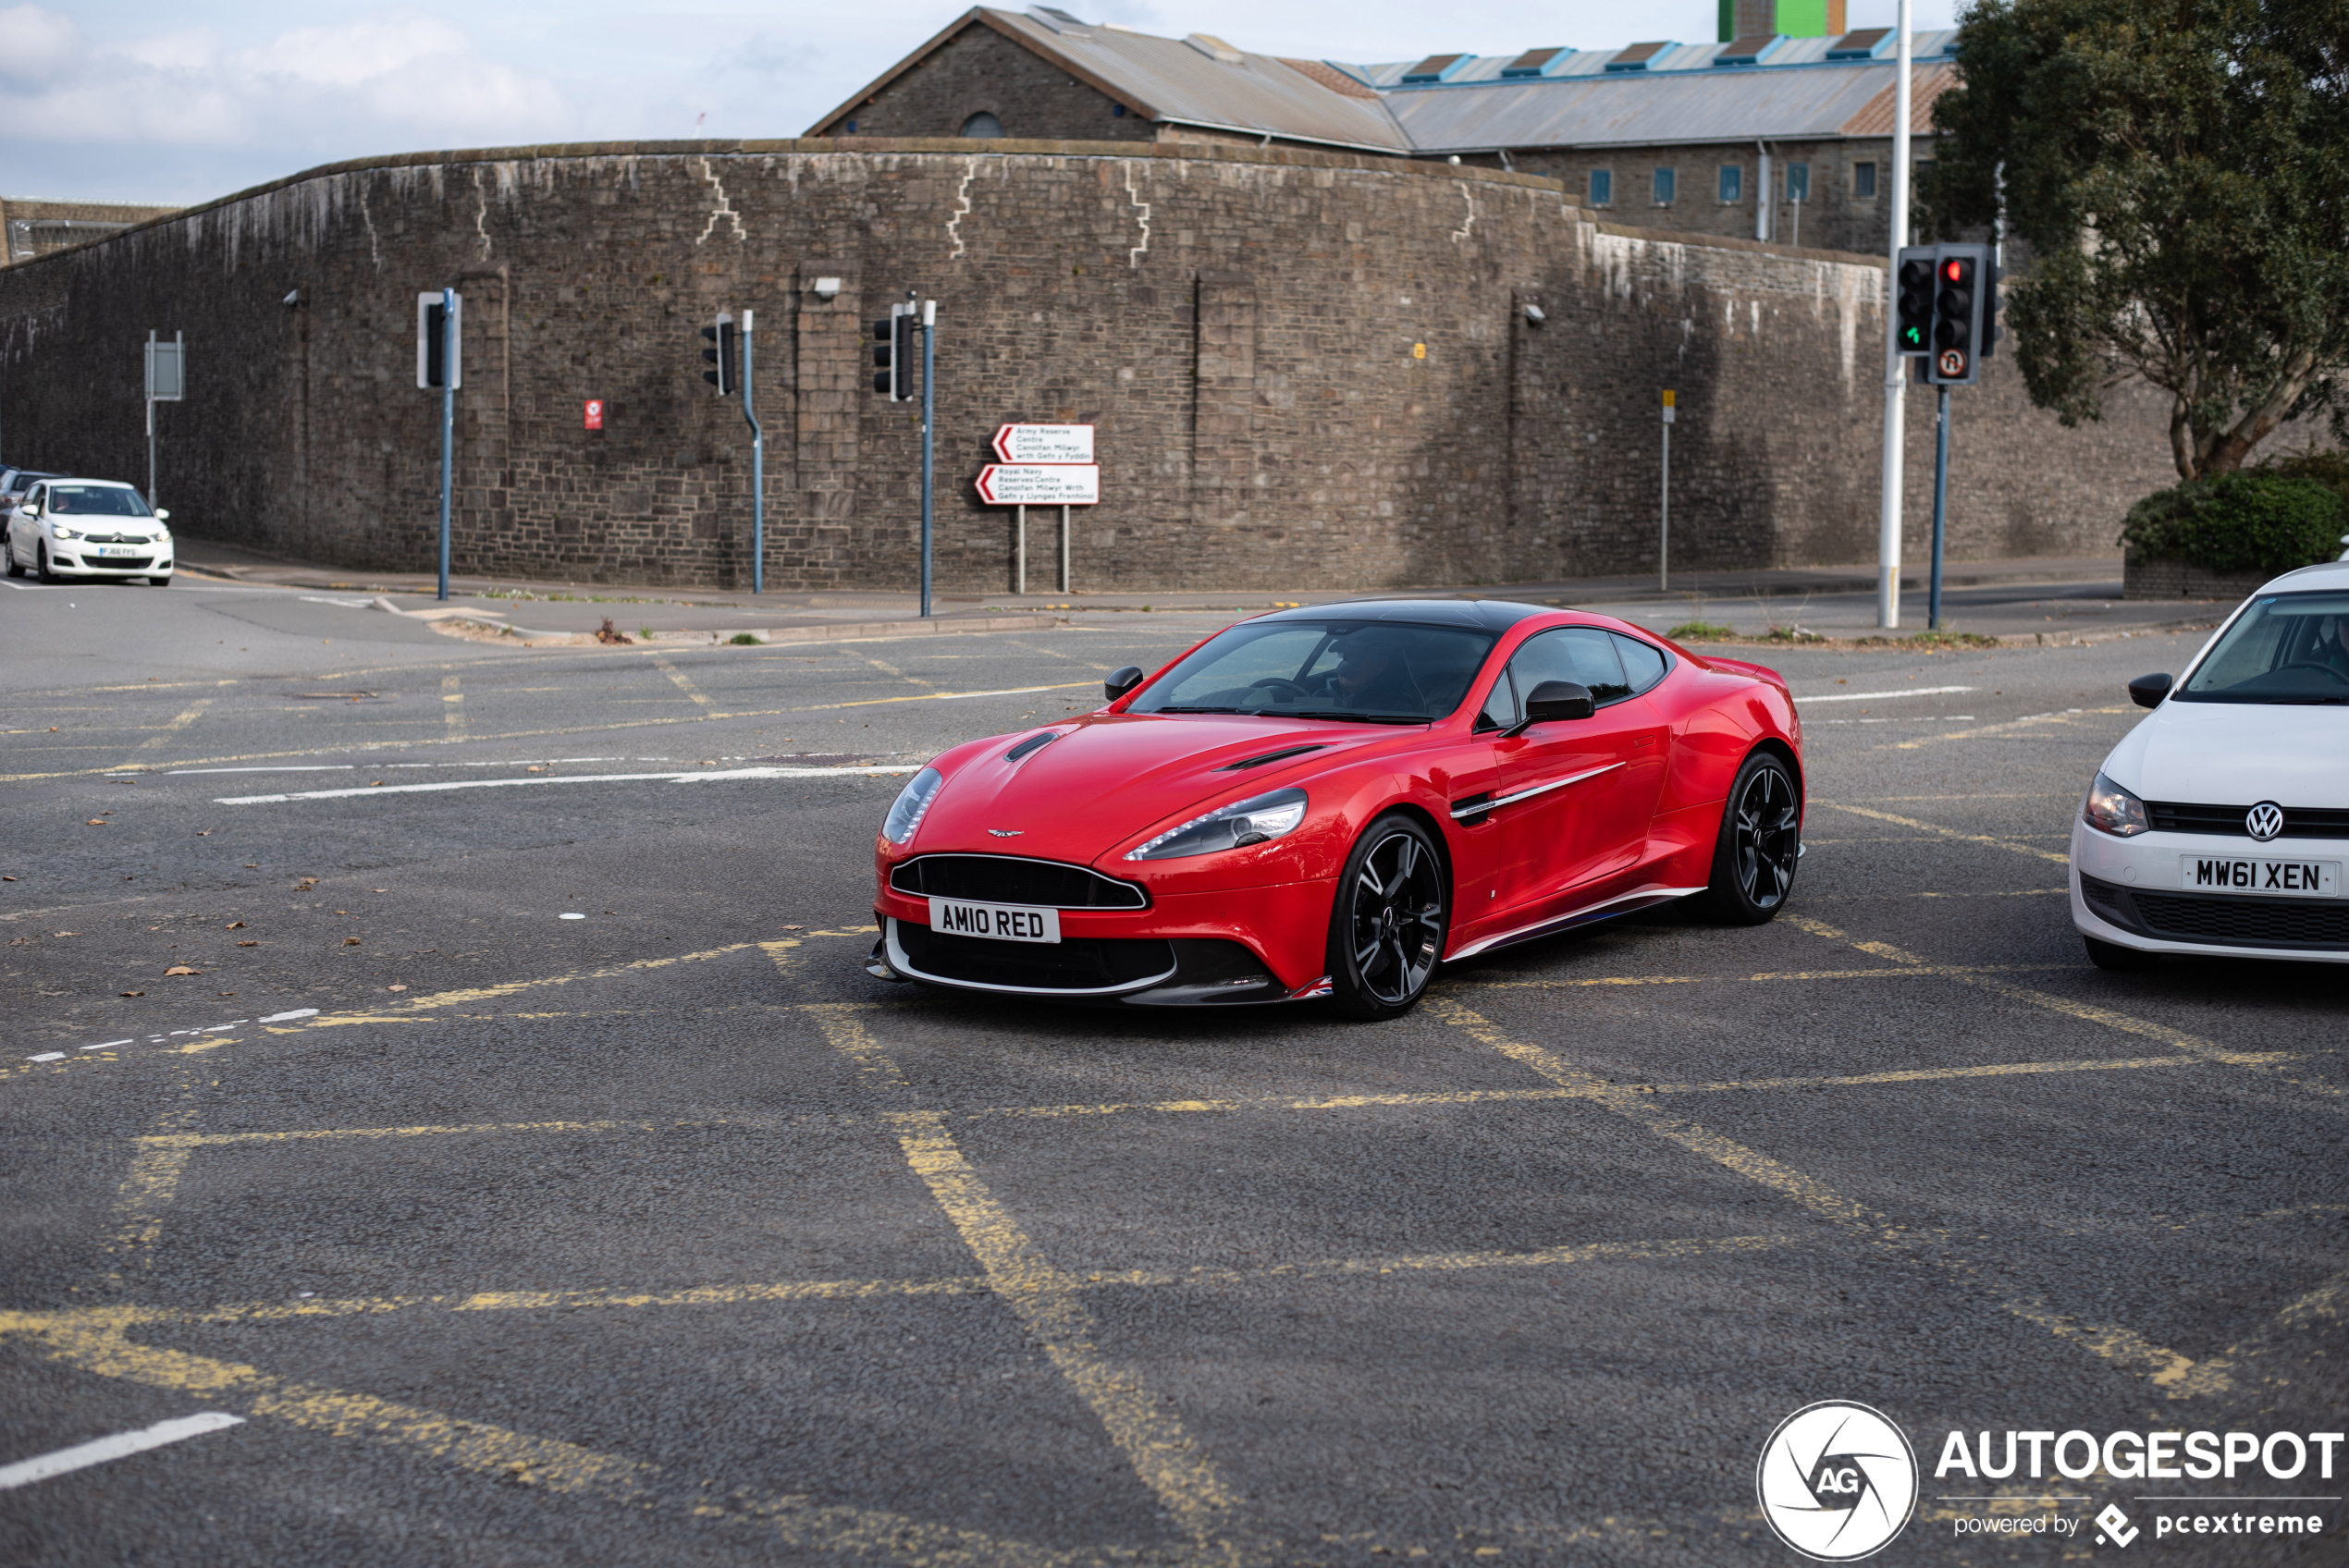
{"x": 982, "y": 124}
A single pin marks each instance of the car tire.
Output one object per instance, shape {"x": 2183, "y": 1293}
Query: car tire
{"x": 2114, "y": 959}
{"x": 1388, "y": 921}
{"x": 8, "y": 558}
{"x": 162, "y": 582}
{"x": 42, "y": 569}
{"x": 1759, "y": 844}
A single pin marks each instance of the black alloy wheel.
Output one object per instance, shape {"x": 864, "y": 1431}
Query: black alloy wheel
{"x": 42, "y": 569}
{"x": 1387, "y": 928}
{"x": 1761, "y": 840}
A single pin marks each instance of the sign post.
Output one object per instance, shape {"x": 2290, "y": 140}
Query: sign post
{"x": 1664, "y": 518}
{"x": 167, "y": 383}
{"x": 1040, "y": 465}
{"x": 1940, "y": 503}
{"x": 440, "y": 364}
{"x": 757, "y": 472}
{"x": 930, "y": 413}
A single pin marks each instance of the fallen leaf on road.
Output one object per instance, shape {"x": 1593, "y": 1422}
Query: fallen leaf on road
{"x": 794, "y": 928}
{"x": 248, "y": 944}
{"x": 6, "y": 879}
{"x": 130, "y": 993}
{"x": 395, "y": 987}
{"x": 180, "y": 969}
{"x": 350, "y": 941}
{"x": 234, "y": 925}
{"x": 224, "y": 992}
{"x": 69, "y": 933}
{"x": 204, "y": 832}
{"x": 95, "y": 822}
{"x": 375, "y": 783}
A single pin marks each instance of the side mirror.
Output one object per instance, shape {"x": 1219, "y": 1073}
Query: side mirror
{"x": 1553, "y": 701}
{"x": 163, "y": 514}
{"x": 2146, "y": 690}
{"x": 1121, "y": 681}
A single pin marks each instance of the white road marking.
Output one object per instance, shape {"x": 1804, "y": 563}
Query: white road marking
{"x": 695, "y": 777}
{"x": 109, "y": 1045}
{"x": 47, "y": 1056}
{"x": 121, "y": 1445}
{"x": 1885, "y": 696}
{"x": 571, "y": 917}
{"x": 282, "y": 1017}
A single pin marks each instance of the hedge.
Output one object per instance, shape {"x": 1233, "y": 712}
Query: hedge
{"x": 2246, "y": 521}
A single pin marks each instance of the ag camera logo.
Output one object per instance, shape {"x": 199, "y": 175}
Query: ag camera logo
{"x": 1837, "y": 1481}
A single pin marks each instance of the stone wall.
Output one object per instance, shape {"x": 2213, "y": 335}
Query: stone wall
{"x": 979, "y": 70}
{"x": 1307, "y": 370}
{"x": 2144, "y": 577}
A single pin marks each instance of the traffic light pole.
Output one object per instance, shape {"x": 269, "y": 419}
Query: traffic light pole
{"x": 1940, "y": 502}
{"x": 929, "y": 410}
{"x": 447, "y": 422}
{"x": 757, "y": 472}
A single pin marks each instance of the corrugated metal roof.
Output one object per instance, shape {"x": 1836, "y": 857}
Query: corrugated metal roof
{"x": 1670, "y": 58}
{"x": 1637, "y": 110}
{"x": 1170, "y": 79}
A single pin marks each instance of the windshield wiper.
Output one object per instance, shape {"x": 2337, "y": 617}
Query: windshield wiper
{"x": 1348, "y": 716}
{"x": 1194, "y": 710}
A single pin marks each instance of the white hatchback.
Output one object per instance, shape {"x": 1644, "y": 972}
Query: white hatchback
{"x": 87, "y": 528}
{"x": 2220, "y": 823}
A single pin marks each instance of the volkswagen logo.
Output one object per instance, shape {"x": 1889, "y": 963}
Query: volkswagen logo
{"x": 2264, "y": 821}
{"x": 1837, "y": 1481}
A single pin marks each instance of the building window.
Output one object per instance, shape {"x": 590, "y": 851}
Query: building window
{"x": 1732, "y": 182}
{"x": 1919, "y": 173}
{"x": 1602, "y": 188}
{"x": 1117, "y": 111}
{"x": 1664, "y": 186}
{"x": 1798, "y": 182}
{"x": 1864, "y": 181}
{"x": 982, "y": 124}
{"x": 852, "y": 128}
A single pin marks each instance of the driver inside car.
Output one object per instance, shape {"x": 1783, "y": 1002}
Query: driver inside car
{"x": 1373, "y": 676}
{"x": 2333, "y": 645}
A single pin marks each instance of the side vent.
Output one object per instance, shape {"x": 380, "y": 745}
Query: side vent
{"x": 1267, "y": 756}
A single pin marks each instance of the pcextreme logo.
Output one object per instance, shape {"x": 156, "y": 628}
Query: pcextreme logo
{"x": 1837, "y": 1481}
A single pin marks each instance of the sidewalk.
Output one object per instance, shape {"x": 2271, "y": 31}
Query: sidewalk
{"x": 2022, "y": 597}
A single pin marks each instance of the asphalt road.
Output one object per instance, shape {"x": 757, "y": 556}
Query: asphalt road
{"x": 666, "y": 1236}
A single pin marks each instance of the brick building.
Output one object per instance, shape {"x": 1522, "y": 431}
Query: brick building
{"x": 30, "y": 228}
{"x": 1763, "y": 134}
{"x": 1307, "y": 367}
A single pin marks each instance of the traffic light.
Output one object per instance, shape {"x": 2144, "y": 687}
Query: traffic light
{"x": 1913, "y": 310}
{"x": 1961, "y": 276}
{"x": 721, "y": 355}
{"x": 894, "y": 354}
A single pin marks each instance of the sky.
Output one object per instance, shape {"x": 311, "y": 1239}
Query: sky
{"x": 181, "y": 101}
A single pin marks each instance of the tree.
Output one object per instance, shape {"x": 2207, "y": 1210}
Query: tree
{"x": 2177, "y": 172}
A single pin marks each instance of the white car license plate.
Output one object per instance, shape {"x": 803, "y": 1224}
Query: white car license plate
{"x": 117, "y": 549}
{"x": 1002, "y": 923}
{"x": 2291, "y": 878}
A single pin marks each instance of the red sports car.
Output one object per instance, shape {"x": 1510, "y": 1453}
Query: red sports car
{"x": 1330, "y": 802}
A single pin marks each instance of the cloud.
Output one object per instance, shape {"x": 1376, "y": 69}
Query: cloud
{"x": 385, "y": 82}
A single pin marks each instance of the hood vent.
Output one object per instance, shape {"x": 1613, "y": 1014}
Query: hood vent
{"x": 1269, "y": 756}
{"x": 1033, "y": 743}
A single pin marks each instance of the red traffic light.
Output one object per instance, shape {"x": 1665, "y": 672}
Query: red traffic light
{"x": 1954, "y": 270}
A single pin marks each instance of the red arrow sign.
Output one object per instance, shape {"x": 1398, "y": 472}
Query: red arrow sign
{"x": 1041, "y": 484}
{"x": 1045, "y": 443}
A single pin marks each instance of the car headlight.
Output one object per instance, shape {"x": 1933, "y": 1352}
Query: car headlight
{"x": 911, "y": 806}
{"x": 61, "y": 532}
{"x": 1235, "y": 826}
{"x": 2113, "y": 810}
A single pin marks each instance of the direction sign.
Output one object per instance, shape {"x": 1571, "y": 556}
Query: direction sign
{"x": 1041, "y": 484}
{"x": 1045, "y": 444}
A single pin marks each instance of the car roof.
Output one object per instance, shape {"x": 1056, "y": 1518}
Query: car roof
{"x": 101, "y": 484}
{"x": 1483, "y": 615}
{"x": 2324, "y": 574}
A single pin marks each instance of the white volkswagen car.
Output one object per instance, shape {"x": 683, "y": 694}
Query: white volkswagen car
{"x": 87, "y": 528}
{"x": 2220, "y": 823}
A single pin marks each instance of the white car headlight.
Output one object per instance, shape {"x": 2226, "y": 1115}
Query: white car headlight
{"x": 911, "y": 806}
{"x": 61, "y": 531}
{"x": 2113, "y": 810}
{"x": 1252, "y": 821}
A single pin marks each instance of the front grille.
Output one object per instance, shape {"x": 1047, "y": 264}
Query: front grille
{"x": 2232, "y": 921}
{"x": 1072, "y": 963}
{"x": 2299, "y": 822}
{"x": 1009, "y": 879}
{"x": 123, "y": 563}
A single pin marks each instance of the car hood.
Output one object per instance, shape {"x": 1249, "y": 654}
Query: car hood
{"x": 1111, "y": 775}
{"x": 2237, "y": 754}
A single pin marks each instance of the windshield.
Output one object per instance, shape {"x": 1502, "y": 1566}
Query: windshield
{"x": 1370, "y": 672}
{"x": 2285, "y": 648}
{"x": 97, "y": 500}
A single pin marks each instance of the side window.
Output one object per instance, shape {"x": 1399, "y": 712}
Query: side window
{"x": 1643, "y": 664}
{"x": 1583, "y": 654}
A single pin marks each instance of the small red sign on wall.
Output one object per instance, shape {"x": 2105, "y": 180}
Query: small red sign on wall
{"x": 594, "y": 413}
